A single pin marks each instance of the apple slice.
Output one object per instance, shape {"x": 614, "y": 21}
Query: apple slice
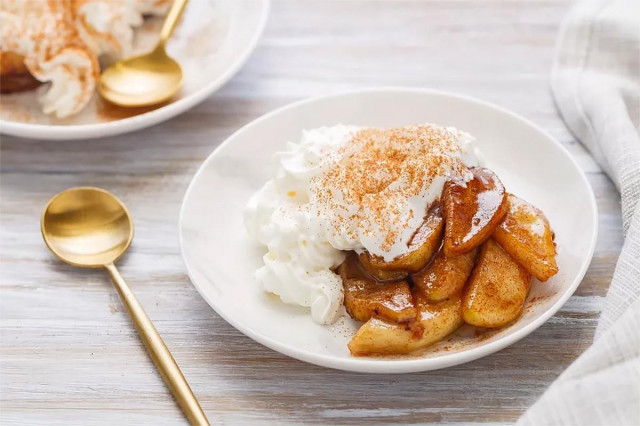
{"x": 525, "y": 234}
{"x": 472, "y": 210}
{"x": 379, "y": 336}
{"x": 445, "y": 276}
{"x": 380, "y": 274}
{"x": 434, "y": 322}
{"x": 497, "y": 289}
{"x": 364, "y": 298}
{"x": 423, "y": 245}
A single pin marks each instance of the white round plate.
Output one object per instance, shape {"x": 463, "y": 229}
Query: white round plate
{"x": 212, "y": 41}
{"x": 221, "y": 259}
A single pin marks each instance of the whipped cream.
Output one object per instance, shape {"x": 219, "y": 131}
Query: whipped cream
{"x": 107, "y": 27}
{"x": 348, "y": 188}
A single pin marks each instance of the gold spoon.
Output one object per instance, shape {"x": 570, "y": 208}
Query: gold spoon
{"x": 91, "y": 228}
{"x": 147, "y": 79}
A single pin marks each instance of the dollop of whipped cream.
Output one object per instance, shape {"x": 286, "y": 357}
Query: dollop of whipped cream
{"x": 348, "y": 188}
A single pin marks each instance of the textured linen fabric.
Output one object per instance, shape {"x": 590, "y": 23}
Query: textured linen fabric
{"x": 596, "y": 85}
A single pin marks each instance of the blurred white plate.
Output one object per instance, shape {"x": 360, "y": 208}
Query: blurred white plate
{"x": 221, "y": 259}
{"x": 212, "y": 41}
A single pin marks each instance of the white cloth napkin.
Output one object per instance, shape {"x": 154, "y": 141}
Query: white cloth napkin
{"x": 596, "y": 85}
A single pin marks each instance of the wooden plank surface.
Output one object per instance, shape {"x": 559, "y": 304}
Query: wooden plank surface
{"x": 68, "y": 352}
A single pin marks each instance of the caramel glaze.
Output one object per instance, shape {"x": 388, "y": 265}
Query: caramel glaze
{"x": 472, "y": 210}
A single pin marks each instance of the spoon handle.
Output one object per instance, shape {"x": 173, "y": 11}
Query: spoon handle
{"x": 171, "y": 20}
{"x": 158, "y": 351}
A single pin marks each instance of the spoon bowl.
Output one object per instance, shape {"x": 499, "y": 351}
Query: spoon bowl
{"x": 87, "y": 227}
{"x": 147, "y": 79}
{"x": 142, "y": 80}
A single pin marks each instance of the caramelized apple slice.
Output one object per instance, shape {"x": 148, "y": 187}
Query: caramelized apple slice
{"x": 497, "y": 288}
{"x": 380, "y": 274}
{"x": 438, "y": 319}
{"x": 525, "y": 234}
{"x": 472, "y": 210}
{"x": 364, "y": 298}
{"x": 423, "y": 245}
{"x": 382, "y": 337}
{"x": 445, "y": 276}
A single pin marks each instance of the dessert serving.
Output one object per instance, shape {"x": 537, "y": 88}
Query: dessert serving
{"x": 402, "y": 228}
{"x": 63, "y": 42}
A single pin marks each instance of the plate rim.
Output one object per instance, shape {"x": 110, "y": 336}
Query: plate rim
{"x": 140, "y": 121}
{"x": 395, "y": 366}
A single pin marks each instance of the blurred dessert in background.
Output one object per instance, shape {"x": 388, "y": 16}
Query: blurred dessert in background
{"x": 62, "y": 42}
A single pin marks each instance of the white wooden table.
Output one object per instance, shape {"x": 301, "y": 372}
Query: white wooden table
{"x": 69, "y": 354}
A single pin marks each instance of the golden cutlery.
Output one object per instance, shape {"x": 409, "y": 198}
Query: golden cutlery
{"x": 147, "y": 79}
{"x": 91, "y": 228}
